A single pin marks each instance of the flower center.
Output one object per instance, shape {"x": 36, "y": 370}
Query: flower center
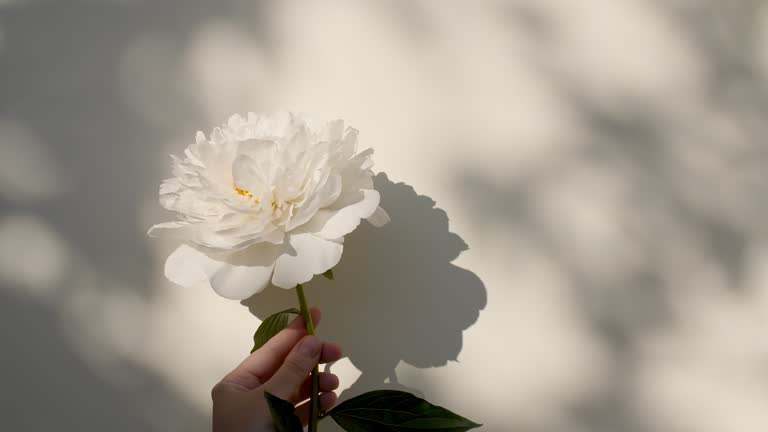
{"x": 281, "y": 210}
{"x": 245, "y": 193}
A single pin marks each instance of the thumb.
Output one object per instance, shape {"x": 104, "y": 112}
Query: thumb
{"x": 294, "y": 370}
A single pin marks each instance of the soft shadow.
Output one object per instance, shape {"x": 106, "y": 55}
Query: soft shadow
{"x": 396, "y": 295}
{"x": 47, "y": 386}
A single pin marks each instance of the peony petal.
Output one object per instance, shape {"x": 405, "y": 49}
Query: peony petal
{"x": 187, "y": 266}
{"x": 331, "y": 224}
{"x": 257, "y": 149}
{"x": 247, "y": 176}
{"x": 356, "y": 176}
{"x": 278, "y": 125}
{"x": 349, "y": 143}
{"x": 332, "y": 131}
{"x": 236, "y": 277}
{"x": 248, "y": 272}
{"x": 177, "y": 230}
{"x": 323, "y": 197}
{"x": 240, "y": 282}
{"x": 379, "y": 218}
{"x": 311, "y": 255}
{"x": 223, "y": 243}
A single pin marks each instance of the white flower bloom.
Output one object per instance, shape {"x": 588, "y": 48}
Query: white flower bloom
{"x": 266, "y": 198}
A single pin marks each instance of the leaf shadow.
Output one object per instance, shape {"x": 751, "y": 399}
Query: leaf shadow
{"x": 396, "y": 294}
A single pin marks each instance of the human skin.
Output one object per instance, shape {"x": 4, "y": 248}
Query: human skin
{"x": 281, "y": 367}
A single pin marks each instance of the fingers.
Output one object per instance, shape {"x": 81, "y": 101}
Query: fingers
{"x": 331, "y": 353}
{"x": 298, "y": 322}
{"x": 328, "y": 382}
{"x": 258, "y": 367}
{"x": 326, "y": 402}
{"x": 295, "y": 368}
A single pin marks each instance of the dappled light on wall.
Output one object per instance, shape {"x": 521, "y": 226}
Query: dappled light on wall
{"x": 577, "y": 191}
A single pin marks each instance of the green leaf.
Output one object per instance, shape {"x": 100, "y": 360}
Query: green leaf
{"x": 283, "y": 414}
{"x": 396, "y": 411}
{"x": 272, "y": 326}
{"x": 328, "y": 273}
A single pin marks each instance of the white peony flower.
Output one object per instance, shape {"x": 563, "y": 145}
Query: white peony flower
{"x": 267, "y": 198}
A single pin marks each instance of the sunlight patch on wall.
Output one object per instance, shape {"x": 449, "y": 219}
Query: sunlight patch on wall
{"x": 587, "y": 211}
{"x": 623, "y": 49}
{"x": 346, "y": 371}
{"x": 703, "y": 375}
{"x": 226, "y": 72}
{"x": 33, "y": 258}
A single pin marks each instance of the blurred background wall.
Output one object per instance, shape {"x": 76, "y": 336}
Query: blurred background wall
{"x": 597, "y": 168}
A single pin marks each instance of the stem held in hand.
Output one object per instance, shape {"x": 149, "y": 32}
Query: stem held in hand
{"x": 314, "y": 398}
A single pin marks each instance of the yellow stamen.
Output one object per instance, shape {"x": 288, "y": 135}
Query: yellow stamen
{"x": 245, "y": 193}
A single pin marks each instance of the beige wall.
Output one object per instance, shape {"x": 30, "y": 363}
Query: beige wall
{"x": 594, "y": 260}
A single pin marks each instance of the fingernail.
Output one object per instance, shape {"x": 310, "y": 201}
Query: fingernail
{"x": 310, "y": 346}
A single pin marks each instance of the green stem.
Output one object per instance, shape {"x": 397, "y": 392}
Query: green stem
{"x": 314, "y": 410}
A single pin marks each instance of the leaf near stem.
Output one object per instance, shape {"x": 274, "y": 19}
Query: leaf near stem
{"x": 328, "y": 274}
{"x": 283, "y": 414}
{"x": 271, "y": 326}
{"x": 396, "y": 411}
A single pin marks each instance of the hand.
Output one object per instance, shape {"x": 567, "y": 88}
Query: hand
{"x": 280, "y": 367}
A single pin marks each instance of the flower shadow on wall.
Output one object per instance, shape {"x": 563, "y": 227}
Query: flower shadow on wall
{"x": 396, "y": 295}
